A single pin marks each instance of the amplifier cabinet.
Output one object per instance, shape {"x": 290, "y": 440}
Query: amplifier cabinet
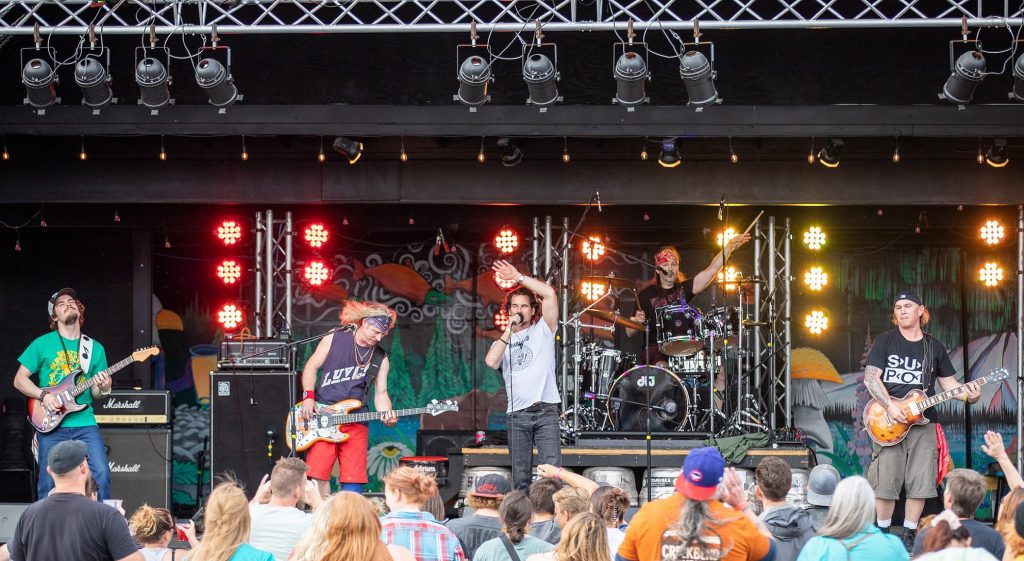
{"x": 133, "y": 407}
{"x": 263, "y": 354}
{"x": 140, "y": 466}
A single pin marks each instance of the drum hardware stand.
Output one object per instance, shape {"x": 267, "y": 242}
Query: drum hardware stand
{"x": 577, "y": 355}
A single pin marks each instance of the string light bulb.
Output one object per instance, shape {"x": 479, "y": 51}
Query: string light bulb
{"x": 980, "y": 158}
{"x": 163, "y": 152}
{"x": 565, "y": 150}
{"x": 17, "y": 242}
{"x": 403, "y": 156}
{"x": 42, "y": 218}
{"x": 896, "y": 152}
{"x": 810, "y": 155}
{"x": 245, "y": 152}
{"x": 82, "y": 155}
{"x": 6, "y": 154}
{"x": 733, "y": 156}
{"x": 320, "y": 156}
{"x": 117, "y": 216}
{"x": 480, "y": 156}
{"x": 643, "y": 150}
{"x": 344, "y": 221}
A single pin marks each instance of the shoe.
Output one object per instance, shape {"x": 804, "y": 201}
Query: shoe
{"x": 908, "y": 539}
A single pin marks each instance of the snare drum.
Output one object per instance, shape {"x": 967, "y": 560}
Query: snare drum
{"x": 601, "y": 367}
{"x": 679, "y": 329}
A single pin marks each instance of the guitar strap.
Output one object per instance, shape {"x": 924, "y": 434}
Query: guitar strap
{"x": 372, "y": 370}
{"x": 84, "y": 352}
{"x": 927, "y": 365}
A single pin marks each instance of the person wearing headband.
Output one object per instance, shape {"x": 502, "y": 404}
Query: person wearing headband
{"x": 352, "y": 362}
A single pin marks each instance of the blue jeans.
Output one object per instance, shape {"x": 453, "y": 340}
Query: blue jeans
{"x": 98, "y": 465}
{"x": 527, "y": 429}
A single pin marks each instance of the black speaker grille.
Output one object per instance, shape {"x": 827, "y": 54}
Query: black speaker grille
{"x": 140, "y": 466}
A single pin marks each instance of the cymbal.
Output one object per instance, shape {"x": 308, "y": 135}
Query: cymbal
{"x": 741, "y": 280}
{"x": 616, "y": 319}
{"x": 619, "y": 282}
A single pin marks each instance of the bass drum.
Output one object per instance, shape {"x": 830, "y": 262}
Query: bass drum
{"x": 629, "y": 395}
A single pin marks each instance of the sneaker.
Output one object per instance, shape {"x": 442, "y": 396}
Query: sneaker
{"x": 908, "y": 539}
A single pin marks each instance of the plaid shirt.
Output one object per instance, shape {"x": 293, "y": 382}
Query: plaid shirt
{"x": 420, "y": 533}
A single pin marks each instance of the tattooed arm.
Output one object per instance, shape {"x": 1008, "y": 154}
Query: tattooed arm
{"x": 873, "y": 383}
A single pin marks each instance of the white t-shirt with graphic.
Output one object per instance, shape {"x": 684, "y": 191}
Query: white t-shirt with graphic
{"x": 528, "y": 366}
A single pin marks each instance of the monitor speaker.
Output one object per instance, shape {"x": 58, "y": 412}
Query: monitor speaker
{"x": 140, "y": 466}
{"x": 440, "y": 442}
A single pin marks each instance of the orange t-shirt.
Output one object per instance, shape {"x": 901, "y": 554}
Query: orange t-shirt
{"x": 651, "y": 535}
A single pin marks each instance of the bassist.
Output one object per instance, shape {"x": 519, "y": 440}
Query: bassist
{"x": 351, "y": 360}
{"x": 52, "y": 357}
{"x": 904, "y": 359}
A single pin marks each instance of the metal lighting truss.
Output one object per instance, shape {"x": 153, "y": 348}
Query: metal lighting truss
{"x": 273, "y": 275}
{"x": 127, "y": 17}
{"x": 773, "y": 319}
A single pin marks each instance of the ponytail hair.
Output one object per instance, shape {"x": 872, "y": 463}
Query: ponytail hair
{"x": 611, "y": 506}
{"x": 417, "y": 486}
{"x": 515, "y": 513}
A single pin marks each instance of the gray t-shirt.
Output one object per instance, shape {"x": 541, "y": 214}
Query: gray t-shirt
{"x": 474, "y": 530}
{"x": 277, "y": 528}
{"x": 547, "y": 530}
{"x": 494, "y": 550}
{"x": 528, "y": 366}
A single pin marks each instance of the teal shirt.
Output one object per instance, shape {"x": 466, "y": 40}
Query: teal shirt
{"x": 494, "y": 550}
{"x": 246, "y": 552}
{"x": 875, "y": 546}
{"x": 46, "y": 360}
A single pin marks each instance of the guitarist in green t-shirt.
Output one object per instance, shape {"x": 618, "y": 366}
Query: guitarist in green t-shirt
{"x": 45, "y": 363}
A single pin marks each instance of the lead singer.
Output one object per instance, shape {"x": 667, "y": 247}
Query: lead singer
{"x": 525, "y": 352}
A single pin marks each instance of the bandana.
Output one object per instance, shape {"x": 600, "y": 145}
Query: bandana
{"x": 382, "y": 323}
{"x": 664, "y": 258}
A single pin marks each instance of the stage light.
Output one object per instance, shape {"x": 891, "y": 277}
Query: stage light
{"x": 316, "y": 273}
{"x": 699, "y": 78}
{"x": 229, "y": 271}
{"x": 630, "y": 77}
{"x": 816, "y": 321}
{"x": 816, "y": 278}
{"x": 507, "y": 241}
{"x": 229, "y": 232}
{"x": 728, "y": 278}
{"x": 402, "y": 155}
{"x": 229, "y": 316}
{"x": 511, "y": 154}
{"x": 968, "y": 72}
{"x": 592, "y": 248}
{"x": 316, "y": 235}
{"x": 993, "y": 232}
{"x": 814, "y": 238}
{"x": 245, "y": 151}
{"x": 217, "y": 82}
{"x": 152, "y": 78}
{"x": 540, "y": 76}
{"x": 565, "y": 151}
{"x": 163, "y": 152}
{"x": 92, "y": 77}
{"x": 829, "y": 155}
{"x": 351, "y": 149}
{"x": 500, "y": 320}
{"x": 1018, "y": 80}
{"x": 991, "y": 274}
{"x": 39, "y": 77}
{"x": 504, "y": 284}
{"x": 996, "y": 155}
{"x": 669, "y": 157}
{"x": 593, "y": 291}
{"x": 724, "y": 236}
{"x": 474, "y": 76}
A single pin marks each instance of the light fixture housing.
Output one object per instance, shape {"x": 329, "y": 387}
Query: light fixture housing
{"x": 474, "y": 77}
{"x": 669, "y": 157}
{"x": 92, "y": 77}
{"x": 351, "y": 149}
{"x": 39, "y": 79}
{"x": 1018, "y": 80}
{"x": 216, "y": 80}
{"x": 967, "y": 72}
{"x": 540, "y": 75}
{"x": 698, "y": 76}
{"x": 996, "y": 154}
{"x": 631, "y": 75}
{"x": 829, "y": 154}
{"x": 511, "y": 154}
{"x": 153, "y": 80}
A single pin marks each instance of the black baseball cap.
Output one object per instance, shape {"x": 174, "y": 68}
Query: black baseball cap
{"x": 53, "y": 299}
{"x": 492, "y": 486}
{"x": 908, "y": 295}
{"x": 66, "y": 456}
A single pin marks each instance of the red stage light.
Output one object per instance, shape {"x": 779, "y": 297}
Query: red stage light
{"x": 229, "y": 271}
{"x": 316, "y": 235}
{"x": 507, "y": 241}
{"x": 316, "y": 273}
{"x": 229, "y": 232}
{"x": 504, "y": 284}
{"x": 501, "y": 320}
{"x": 229, "y": 316}
{"x": 592, "y": 248}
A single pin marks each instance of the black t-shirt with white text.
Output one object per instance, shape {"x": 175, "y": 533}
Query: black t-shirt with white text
{"x": 70, "y": 526}
{"x": 654, "y": 296}
{"x": 901, "y": 362}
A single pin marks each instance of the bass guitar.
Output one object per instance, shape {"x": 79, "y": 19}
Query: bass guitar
{"x": 325, "y": 424}
{"x": 67, "y": 390}
{"x": 886, "y": 431}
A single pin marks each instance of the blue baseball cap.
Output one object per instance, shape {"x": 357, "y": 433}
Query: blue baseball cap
{"x": 702, "y": 472}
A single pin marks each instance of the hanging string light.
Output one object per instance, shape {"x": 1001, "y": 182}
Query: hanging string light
{"x": 163, "y": 152}
{"x": 320, "y": 156}
{"x": 82, "y": 155}
{"x": 245, "y": 152}
{"x": 480, "y": 156}
{"x": 565, "y": 150}
{"x": 403, "y": 156}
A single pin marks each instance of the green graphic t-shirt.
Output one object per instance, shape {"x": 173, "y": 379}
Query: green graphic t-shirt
{"x": 46, "y": 360}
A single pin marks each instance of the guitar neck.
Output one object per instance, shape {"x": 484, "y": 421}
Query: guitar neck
{"x": 950, "y": 394}
{"x": 79, "y": 389}
{"x": 344, "y": 419}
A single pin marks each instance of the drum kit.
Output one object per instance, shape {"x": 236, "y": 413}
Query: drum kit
{"x": 616, "y": 390}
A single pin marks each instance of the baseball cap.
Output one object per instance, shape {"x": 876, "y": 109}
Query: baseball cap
{"x": 702, "y": 472}
{"x": 66, "y": 456}
{"x": 821, "y": 484}
{"x": 53, "y": 299}
{"x": 492, "y": 486}
{"x": 909, "y": 295}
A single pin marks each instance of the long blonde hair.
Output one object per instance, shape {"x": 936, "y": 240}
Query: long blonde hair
{"x": 355, "y": 312}
{"x": 226, "y": 524}
{"x": 1004, "y": 522}
{"x": 344, "y": 527}
{"x": 584, "y": 538}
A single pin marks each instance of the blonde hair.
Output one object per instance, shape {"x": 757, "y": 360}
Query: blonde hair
{"x": 149, "y": 525}
{"x": 226, "y": 524}
{"x": 354, "y": 312}
{"x": 584, "y": 538}
{"x": 417, "y": 486}
{"x": 853, "y": 508}
{"x": 572, "y": 500}
{"x": 1004, "y": 522}
{"x": 344, "y": 527}
{"x": 289, "y": 474}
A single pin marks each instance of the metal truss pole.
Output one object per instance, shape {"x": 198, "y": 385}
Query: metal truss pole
{"x": 772, "y": 313}
{"x": 564, "y": 316}
{"x": 534, "y": 259}
{"x": 755, "y": 360}
{"x": 274, "y": 268}
{"x": 268, "y": 272}
{"x": 258, "y": 273}
{"x": 547, "y": 246}
{"x": 288, "y": 276}
{"x": 787, "y": 283}
{"x": 1020, "y": 334}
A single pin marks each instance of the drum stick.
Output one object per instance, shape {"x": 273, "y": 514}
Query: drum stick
{"x": 752, "y": 222}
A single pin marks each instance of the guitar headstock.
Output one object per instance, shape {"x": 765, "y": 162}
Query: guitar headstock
{"x": 142, "y": 354}
{"x": 998, "y": 375}
{"x": 436, "y": 407}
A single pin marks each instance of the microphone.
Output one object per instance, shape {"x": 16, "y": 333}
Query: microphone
{"x": 664, "y": 271}
{"x": 515, "y": 321}
{"x": 271, "y": 435}
{"x": 721, "y": 208}
{"x": 598, "y": 195}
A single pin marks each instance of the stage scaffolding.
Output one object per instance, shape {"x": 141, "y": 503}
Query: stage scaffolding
{"x": 273, "y": 272}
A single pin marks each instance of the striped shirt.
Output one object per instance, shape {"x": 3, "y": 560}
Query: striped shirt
{"x": 420, "y": 533}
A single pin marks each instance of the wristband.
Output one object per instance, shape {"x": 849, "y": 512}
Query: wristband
{"x": 557, "y": 472}
{"x": 502, "y": 340}
{"x": 520, "y": 279}
{"x": 309, "y": 394}
{"x": 42, "y": 394}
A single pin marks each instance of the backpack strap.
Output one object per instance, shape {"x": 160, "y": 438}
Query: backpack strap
{"x": 512, "y": 553}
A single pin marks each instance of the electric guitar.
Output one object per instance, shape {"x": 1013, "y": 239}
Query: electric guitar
{"x": 67, "y": 390}
{"x": 888, "y": 432}
{"x": 326, "y": 421}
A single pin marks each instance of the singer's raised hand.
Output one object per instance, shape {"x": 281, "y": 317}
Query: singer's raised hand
{"x": 505, "y": 270}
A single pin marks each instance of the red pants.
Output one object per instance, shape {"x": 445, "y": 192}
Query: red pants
{"x": 350, "y": 454}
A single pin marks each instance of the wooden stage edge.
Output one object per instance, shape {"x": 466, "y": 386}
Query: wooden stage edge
{"x": 795, "y": 456}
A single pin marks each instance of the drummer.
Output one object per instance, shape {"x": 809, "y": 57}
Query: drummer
{"x": 671, "y": 286}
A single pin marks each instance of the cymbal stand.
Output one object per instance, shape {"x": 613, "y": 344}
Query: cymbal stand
{"x": 748, "y": 412}
{"x": 577, "y": 355}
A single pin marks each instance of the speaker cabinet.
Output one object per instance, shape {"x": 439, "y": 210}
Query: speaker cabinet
{"x": 247, "y": 422}
{"x": 440, "y": 442}
{"x": 140, "y": 466}
{"x": 9, "y": 515}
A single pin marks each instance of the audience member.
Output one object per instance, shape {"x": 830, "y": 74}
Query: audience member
{"x": 849, "y": 532}
{"x": 1004, "y": 523}
{"x": 570, "y": 501}
{"x": 514, "y": 543}
{"x": 544, "y": 526}
{"x": 483, "y": 524}
{"x": 277, "y": 522}
{"x": 994, "y": 448}
{"x": 790, "y": 526}
{"x": 965, "y": 489}
{"x": 568, "y": 477}
{"x": 583, "y": 539}
{"x": 435, "y": 506}
{"x": 949, "y": 540}
{"x": 1018, "y": 527}
{"x": 610, "y": 505}
{"x": 346, "y": 528}
{"x": 405, "y": 491}
{"x": 154, "y": 528}
{"x": 227, "y": 526}
{"x": 821, "y": 483}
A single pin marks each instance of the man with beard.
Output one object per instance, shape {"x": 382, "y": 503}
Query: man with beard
{"x": 51, "y": 358}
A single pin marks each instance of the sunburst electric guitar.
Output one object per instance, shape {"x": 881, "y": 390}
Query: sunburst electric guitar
{"x": 326, "y": 421}
{"x": 888, "y": 432}
{"x": 67, "y": 390}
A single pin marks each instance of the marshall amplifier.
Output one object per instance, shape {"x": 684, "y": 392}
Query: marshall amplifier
{"x": 140, "y": 466}
{"x": 133, "y": 407}
{"x": 262, "y": 354}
